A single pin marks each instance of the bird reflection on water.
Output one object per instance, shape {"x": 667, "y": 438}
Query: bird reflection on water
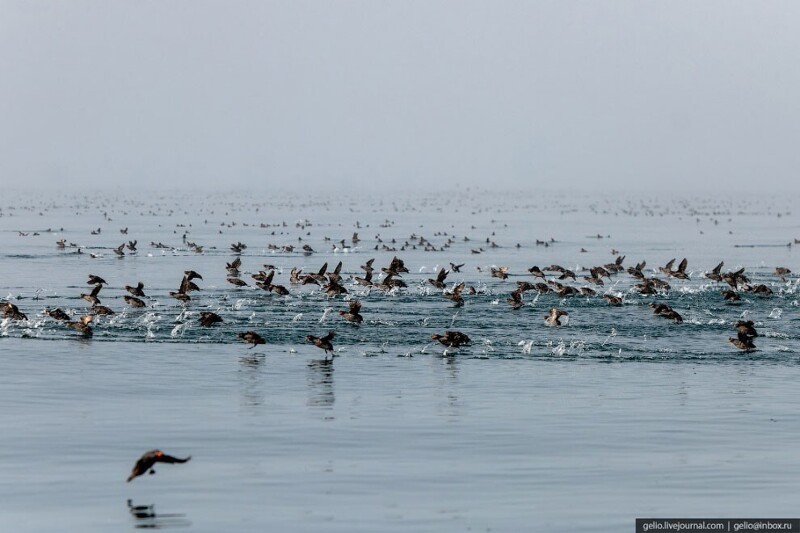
{"x": 145, "y": 517}
{"x": 252, "y": 374}
{"x": 320, "y": 383}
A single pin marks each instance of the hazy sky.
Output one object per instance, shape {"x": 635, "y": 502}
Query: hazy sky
{"x": 400, "y": 93}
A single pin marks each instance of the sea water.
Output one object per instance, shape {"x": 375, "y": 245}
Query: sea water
{"x": 616, "y": 414}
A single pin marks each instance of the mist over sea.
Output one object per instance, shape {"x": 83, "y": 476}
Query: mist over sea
{"x": 616, "y": 414}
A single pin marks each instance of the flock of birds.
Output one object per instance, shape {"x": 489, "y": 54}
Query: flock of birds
{"x": 551, "y": 279}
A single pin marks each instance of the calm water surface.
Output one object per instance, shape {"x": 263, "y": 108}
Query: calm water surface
{"x": 616, "y": 415}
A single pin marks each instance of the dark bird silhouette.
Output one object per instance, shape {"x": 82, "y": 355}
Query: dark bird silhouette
{"x": 251, "y": 337}
{"x": 515, "y": 300}
{"x": 715, "y": 273}
{"x": 452, "y": 339}
{"x": 439, "y": 281}
{"x": 746, "y": 327}
{"x": 92, "y": 296}
{"x": 191, "y": 274}
{"x": 323, "y": 343}
{"x": 82, "y": 325}
{"x": 208, "y": 319}
{"x": 133, "y": 301}
{"x": 96, "y": 280}
{"x": 455, "y": 294}
{"x": 553, "y": 319}
{"x": 353, "y": 314}
{"x": 743, "y": 342}
{"x": 456, "y": 268}
{"x": 137, "y": 290}
{"x": 233, "y": 266}
{"x": 58, "y": 314}
{"x": 667, "y": 312}
{"x": 12, "y": 311}
{"x": 147, "y": 461}
{"x": 731, "y": 296}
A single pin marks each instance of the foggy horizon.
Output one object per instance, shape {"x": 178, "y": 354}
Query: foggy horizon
{"x": 375, "y": 96}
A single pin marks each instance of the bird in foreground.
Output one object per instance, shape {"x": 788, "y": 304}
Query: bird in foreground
{"x": 251, "y": 337}
{"x": 12, "y": 311}
{"x": 553, "y": 319}
{"x": 451, "y": 339}
{"x": 147, "y": 461}
{"x": 323, "y": 342}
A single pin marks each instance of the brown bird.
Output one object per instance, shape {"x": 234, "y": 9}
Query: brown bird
{"x": 681, "y": 272}
{"x": 95, "y": 280}
{"x": 236, "y": 281}
{"x": 743, "y": 342}
{"x": 58, "y": 314}
{"x": 536, "y": 272}
{"x": 191, "y": 274}
{"x": 233, "y": 266}
{"x": 731, "y": 296}
{"x": 553, "y": 318}
{"x": 501, "y": 272}
{"x": 746, "y": 327}
{"x": 667, "y": 312}
{"x": 515, "y": 300}
{"x": 323, "y": 342}
{"x": 439, "y": 281}
{"x": 147, "y": 461}
{"x": 92, "y": 296}
{"x": 83, "y": 326}
{"x": 137, "y": 290}
{"x": 12, "y": 311}
{"x": 133, "y": 301}
{"x": 455, "y": 295}
{"x": 613, "y": 300}
{"x": 782, "y": 272}
{"x": 353, "y": 314}
{"x": 251, "y": 337}
{"x": 715, "y": 273}
{"x": 451, "y": 339}
{"x": 208, "y": 319}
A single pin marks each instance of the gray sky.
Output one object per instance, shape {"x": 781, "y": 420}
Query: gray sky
{"x": 403, "y": 93}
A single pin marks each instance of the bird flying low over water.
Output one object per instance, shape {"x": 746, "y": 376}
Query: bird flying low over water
{"x": 251, "y": 337}
{"x": 553, "y": 319}
{"x": 451, "y": 339}
{"x": 147, "y": 461}
{"x": 323, "y": 342}
{"x": 83, "y": 326}
{"x": 208, "y": 318}
{"x": 353, "y": 315}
